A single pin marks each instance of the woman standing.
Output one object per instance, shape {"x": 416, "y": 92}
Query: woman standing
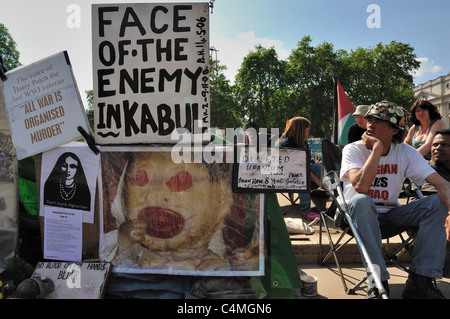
{"x": 296, "y": 136}
{"x": 427, "y": 121}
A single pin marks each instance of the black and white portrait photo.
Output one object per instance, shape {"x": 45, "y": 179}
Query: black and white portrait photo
{"x": 66, "y": 185}
{"x": 69, "y": 179}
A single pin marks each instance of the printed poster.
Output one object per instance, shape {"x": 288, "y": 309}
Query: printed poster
{"x": 164, "y": 217}
{"x": 69, "y": 178}
{"x": 63, "y": 234}
{"x": 44, "y": 105}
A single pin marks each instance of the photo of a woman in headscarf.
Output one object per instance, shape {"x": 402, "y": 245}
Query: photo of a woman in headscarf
{"x": 66, "y": 185}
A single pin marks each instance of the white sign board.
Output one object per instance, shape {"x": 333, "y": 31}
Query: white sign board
{"x": 151, "y": 71}
{"x": 288, "y": 171}
{"x": 43, "y": 105}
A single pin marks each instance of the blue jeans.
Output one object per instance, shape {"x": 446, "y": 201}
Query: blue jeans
{"x": 428, "y": 214}
{"x": 305, "y": 199}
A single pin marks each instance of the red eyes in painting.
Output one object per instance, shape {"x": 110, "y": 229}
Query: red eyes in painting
{"x": 180, "y": 182}
{"x": 140, "y": 178}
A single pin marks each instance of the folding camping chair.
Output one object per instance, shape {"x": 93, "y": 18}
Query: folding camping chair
{"x": 330, "y": 209}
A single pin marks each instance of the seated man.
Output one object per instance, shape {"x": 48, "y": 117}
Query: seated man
{"x": 373, "y": 170}
{"x": 440, "y": 153}
{"x": 355, "y": 131}
{"x": 440, "y": 157}
{"x": 440, "y": 161}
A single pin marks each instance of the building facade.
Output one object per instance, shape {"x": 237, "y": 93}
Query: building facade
{"x": 437, "y": 91}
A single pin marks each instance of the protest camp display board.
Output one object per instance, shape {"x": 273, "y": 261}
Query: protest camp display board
{"x": 44, "y": 105}
{"x": 181, "y": 218}
{"x": 74, "y": 280}
{"x": 151, "y": 72}
{"x": 283, "y": 170}
{"x": 9, "y": 196}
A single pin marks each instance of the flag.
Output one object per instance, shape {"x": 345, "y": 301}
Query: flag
{"x": 342, "y": 114}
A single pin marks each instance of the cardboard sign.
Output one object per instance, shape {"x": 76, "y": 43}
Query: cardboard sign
{"x": 289, "y": 171}
{"x": 74, "y": 280}
{"x": 43, "y": 105}
{"x": 151, "y": 71}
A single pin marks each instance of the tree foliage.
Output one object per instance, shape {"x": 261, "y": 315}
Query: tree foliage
{"x": 224, "y": 108}
{"x": 8, "y": 49}
{"x": 269, "y": 90}
{"x": 258, "y": 85}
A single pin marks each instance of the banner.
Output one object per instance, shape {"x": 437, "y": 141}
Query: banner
{"x": 151, "y": 71}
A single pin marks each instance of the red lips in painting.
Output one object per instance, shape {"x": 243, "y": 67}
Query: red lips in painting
{"x": 162, "y": 222}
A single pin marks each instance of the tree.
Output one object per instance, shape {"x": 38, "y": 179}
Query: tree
{"x": 8, "y": 49}
{"x": 90, "y": 109}
{"x": 383, "y": 72}
{"x": 258, "y": 84}
{"x": 310, "y": 76}
{"x": 224, "y": 109}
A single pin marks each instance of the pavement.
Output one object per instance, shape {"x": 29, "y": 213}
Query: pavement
{"x": 329, "y": 283}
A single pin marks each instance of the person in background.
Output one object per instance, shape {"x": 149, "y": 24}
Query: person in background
{"x": 440, "y": 153}
{"x": 295, "y": 135}
{"x": 373, "y": 171}
{"x": 440, "y": 161}
{"x": 426, "y": 122}
{"x": 357, "y": 130}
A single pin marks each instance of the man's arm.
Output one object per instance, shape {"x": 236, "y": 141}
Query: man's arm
{"x": 363, "y": 177}
{"x": 443, "y": 189}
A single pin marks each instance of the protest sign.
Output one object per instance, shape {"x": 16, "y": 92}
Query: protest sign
{"x": 151, "y": 71}
{"x": 43, "y": 105}
{"x": 288, "y": 171}
{"x": 74, "y": 280}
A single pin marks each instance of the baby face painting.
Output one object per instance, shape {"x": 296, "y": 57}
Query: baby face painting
{"x": 173, "y": 205}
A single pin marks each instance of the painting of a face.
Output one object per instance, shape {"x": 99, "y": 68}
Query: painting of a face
{"x": 181, "y": 205}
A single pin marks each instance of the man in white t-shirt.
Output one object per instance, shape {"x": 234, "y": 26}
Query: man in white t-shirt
{"x": 373, "y": 171}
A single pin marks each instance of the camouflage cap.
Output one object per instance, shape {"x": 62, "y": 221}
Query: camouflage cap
{"x": 390, "y": 112}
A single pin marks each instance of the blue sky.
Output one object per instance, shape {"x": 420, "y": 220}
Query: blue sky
{"x": 40, "y": 29}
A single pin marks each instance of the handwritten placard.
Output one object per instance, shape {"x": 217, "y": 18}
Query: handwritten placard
{"x": 151, "y": 71}
{"x": 287, "y": 171}
{"x": 43, "y": 105}
{"x": 75, "y": 280}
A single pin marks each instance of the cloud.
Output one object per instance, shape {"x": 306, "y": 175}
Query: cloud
{"x": 231, "y": 52}
{"x": 427, "y": 66}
